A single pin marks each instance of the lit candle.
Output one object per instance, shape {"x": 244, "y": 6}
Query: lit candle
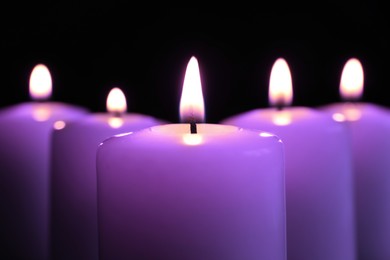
{"x": 369, "y": 126}
{"x": 74, "y": 206}
{"x": 24, "y": 167}
{"x": 319, "y": 203}
{"x": 191, "y": 190}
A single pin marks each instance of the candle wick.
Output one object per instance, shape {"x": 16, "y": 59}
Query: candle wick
{"x": 193, "y": 128}
{"x": 40, "y": 100}
{"x": 279, "y": 106}
{"x": 351, "y": 100}
{"x": 116, "y": 114}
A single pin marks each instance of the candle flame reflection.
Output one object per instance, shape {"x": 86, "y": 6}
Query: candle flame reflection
{"x": 348, "y": 114}
{"x": 352, "y": 80}
{"x": 265, "y": 134}
{"x": 191, "y": 102}
{"x": 116, "y": 105}
{"x": 282, "y": 118}
{"x": 40, "y": 83}
{"x": 58, "y": 125}
{"x": 41, "y": 114}
{"x": 115, "y": 122}
{"x": 280, "y": 84}
{"x": 192, "y": 139}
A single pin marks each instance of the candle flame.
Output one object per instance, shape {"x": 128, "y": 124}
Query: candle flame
{"x": 116, "y": 104}
{"x": 280, "y": 84}
{"x": 116, "y": 101}
{"x": 352, "y": 80}
{"x": 191, "y": 102}
{"x": 40, "y": 83}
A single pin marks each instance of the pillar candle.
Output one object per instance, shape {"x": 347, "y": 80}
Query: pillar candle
{"x": 319, "y": 198}
{"x": 369, "y": 127}
{"x": 191, "y": 190}
{"x": 24, "y": 168}
{"x": 74, "y": 206}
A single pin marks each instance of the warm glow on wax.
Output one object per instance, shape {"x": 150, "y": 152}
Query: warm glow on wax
{"x": 116, "y": 104}
{"x": 41, "y": 113}
{"x": 191, "y": 139}
{"x": 280, "y": 84}
{"x": 40, "y": 83}
{"x": 352, "y": 80}
{"x": 282, "y": 118}
{"x": 191, "y": 102}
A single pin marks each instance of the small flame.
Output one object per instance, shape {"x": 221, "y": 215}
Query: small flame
{"x": 191, "y": 102}
{"x": 352, "y": 80}
{"x": 280, "y": 84}
{"x": 40, "y": 83}
{"x": 116, "y": 102}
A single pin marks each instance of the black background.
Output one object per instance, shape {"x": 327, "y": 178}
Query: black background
{"x": 91, "y": 47}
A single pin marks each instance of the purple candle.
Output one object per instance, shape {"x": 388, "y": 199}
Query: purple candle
{"x": 319, "y": 198}
{"x": 191, "y": 190}
{"x": 369, "y": 126}
{"x": 24, "y": 168}
{"x": 74, "y": 232}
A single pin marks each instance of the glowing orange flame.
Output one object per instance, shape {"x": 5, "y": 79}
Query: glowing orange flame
{"x": 191, "y": 102}
{"x": 40, "y": 83}
{"x": 116, "y": 104}
{"x": 280, "y": 84}
{"x": 352, "y": 80}
{"x": 116, "y": 101}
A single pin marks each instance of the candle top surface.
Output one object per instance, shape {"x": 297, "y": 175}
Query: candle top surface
{"x": 104, "y": 118}
{"x": 284, "y": 117}
{"x": 111, "y": 122}
{"x": 42, "y": 111}
{"x": 355, "y": 111}
{"x": 207, "y": 134}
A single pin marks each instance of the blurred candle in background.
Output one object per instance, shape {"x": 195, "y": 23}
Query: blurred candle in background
{"x": 369, "y": 128}
{"x": 191, "y": 190}
{"x": 74, "y": 232}
{"x": 319, "y": 196}
{"x": 24, "y": 168}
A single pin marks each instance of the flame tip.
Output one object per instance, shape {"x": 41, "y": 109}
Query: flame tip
{"x": 280, "y": 84}
{"x": 116, "y": 101}
{"x": 191, "y": 102}
{"x": 40, "y": 82}
{"x": 352, "y": 79}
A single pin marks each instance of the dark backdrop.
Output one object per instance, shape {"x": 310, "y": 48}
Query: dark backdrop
{"x": 144, "y": 49}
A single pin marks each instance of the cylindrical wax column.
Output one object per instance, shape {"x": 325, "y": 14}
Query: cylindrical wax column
{"x": 369, "y": 126}
{"x": 319, "y": 195}
{"x": 24, "y": 171}
{"x": 164, "y": 193}
{"x": 191, "y": 191}
{"x": 74, "y": 232}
